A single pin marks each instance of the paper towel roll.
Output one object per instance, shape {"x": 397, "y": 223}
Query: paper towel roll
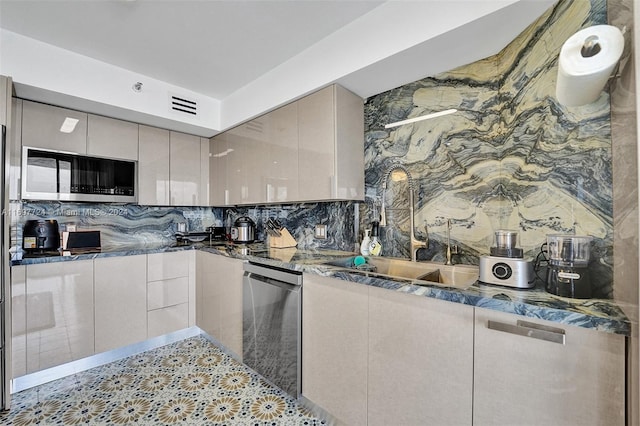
{"x": 583, "y": 73}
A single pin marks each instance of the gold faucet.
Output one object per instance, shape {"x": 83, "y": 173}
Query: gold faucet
{"x": 450, "y": 250}
{"x": 414, "y": 243}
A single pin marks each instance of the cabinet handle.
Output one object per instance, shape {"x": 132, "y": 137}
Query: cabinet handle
{"x": 528, "y": 329}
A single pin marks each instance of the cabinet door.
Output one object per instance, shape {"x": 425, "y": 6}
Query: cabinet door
{"x": 280, "y": 150}
{"x": 59, "y": 313}
{"x": 334, "y": 347}
{"x": 15, "y": 149}
{"x": 108, "y": 137}
{"x": 18, "y": 321}
{"x": 218, "y": 157}
{"x": 184, "y": 170}
{"x": 168, "y": 319}
{"x": 230, "y": 274}
{"x": 349, "y": 160}
{"x": 46, "y": 126}
{"x": 246, "y": 162}
{"x": 316, "y": 131}
{"x": 121, "y": 301}
{"x": 219, "y": 299}
{"x": 420, "y": 360}
{"x": 153, "y": 166}
{"x": 524, "y": 380}
{"x": 163, "y": 266}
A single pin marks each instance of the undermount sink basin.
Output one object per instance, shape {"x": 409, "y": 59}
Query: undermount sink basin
{"x": 422, "y": 273}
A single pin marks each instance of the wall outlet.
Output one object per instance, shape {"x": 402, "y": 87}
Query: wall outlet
{"x": 321, "y": 232}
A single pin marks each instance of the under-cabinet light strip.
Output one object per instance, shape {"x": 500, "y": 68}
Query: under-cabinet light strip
{"x": 422, "y": 117}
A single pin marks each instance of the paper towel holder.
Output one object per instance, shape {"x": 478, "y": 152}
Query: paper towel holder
{"x": 587, "y": 61}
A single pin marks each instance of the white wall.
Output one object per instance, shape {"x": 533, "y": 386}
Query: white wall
{"x": 47, "y": 73}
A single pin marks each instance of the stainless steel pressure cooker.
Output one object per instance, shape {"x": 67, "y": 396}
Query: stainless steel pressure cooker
{"x": 244, "y": 230}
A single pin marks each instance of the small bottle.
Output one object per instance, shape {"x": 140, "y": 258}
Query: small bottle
{"x": 366, "y": 241}
{"x": 375, "y": 247}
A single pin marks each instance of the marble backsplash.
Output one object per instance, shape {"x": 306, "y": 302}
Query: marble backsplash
{"x": 512, "y": 157}
{"x": 125, "y": 225}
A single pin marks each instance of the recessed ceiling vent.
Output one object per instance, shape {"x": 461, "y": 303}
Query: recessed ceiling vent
{"x": 183, "y": 105}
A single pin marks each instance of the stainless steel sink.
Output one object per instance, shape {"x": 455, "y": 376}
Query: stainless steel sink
{"x": 421, "y": 273}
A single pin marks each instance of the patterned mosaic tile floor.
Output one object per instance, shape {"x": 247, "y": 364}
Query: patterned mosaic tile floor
{"x": 190, "y": 382}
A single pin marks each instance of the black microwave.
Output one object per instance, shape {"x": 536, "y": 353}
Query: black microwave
{"x": 56, "y": 175}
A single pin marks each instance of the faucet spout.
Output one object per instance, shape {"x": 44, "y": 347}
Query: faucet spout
{"x": 450, "y": 250}
{"x": 414, "y": 243}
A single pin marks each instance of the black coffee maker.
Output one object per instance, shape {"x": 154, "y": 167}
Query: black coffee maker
{"x": 568, "y": 271}
{"x": 40, "y": 235}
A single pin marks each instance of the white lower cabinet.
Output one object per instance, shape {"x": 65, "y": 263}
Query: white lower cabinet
{"x": 420, "y": 360}
{"x": 120, "y": 301}
{"x": 522, "y": 379}
{"x": 18, "y": 321}
{"x": 219, "y": 298}
{"x": 59, "y": 307}
{"x": 335, "y": 346}
{"x": 168, "y": 292}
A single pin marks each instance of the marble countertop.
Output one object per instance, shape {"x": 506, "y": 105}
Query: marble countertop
{"x": 599, "y": 314}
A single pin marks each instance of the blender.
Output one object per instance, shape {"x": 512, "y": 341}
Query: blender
{"x": 567, "y": 273}
{"x": 506, "y": 264}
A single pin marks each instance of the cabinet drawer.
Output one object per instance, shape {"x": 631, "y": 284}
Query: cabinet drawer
{"x": 164, "y": 266}
{"x": 165, "y": 293}
{"x": 166, "y": 320}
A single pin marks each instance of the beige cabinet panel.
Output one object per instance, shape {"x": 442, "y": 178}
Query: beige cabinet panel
{"x": 153, "y": 166}
{"x": 218, "y": 155}
{"x": 316, "y": 145}
{"x": 42, "y": 127}
{"x": 167, "y": 320}
{"x": 120, "y": 301}
{"x": 420, "y": 360}
{"x": 280, "y": 152}
{"x": 219, "y": 299}
{"x": 334, "y": 347}
{"x": 522, "y": 380}
{"x": 108, "y": 137}
{"x": 15, "y": 149}
{"x": 245, "y": 163}
{"x": 204, "y": 172}
{"x": 162, "y": 266}
{"x": 331, "y": 145}
{"x": 230, "y": 278}
{"x": 60, "y": 315}
{"x": 184, "y": 170}
{"x": 207, "y": 294}
{"x": 163, "y": 293}
{"x": 18, "y": 321}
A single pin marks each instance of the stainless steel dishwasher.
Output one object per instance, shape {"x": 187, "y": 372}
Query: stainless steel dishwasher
{"x": 272, "y": 325}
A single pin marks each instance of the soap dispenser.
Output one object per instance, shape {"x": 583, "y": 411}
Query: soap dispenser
{"x": 366, "y": 241}
{"x": 375, "y": 247}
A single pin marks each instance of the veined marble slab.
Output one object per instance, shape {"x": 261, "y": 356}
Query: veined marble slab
{"x": 512, "y": 157}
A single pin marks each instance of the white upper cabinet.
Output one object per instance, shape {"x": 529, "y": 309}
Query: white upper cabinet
{"x": 111, "y": 138}
{"x": 218, "y": 152}
{"x": 280, "y": 174}
{"x": 185, "y": 170}
{"x": 309, "y": 150}
{"x": 245, "y": 160}
{"x": 49, "y": 127}
{"x": 331, "y": 146}
{"x": 153, "y": 167}
{"x": 173, "y": 168}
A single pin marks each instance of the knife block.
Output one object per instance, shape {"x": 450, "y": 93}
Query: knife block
{"x": 283, "y": 241}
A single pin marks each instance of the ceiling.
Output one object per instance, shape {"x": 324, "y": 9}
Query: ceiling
{"x": 245, "y": 57}
{"x": 210, "y": 47}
